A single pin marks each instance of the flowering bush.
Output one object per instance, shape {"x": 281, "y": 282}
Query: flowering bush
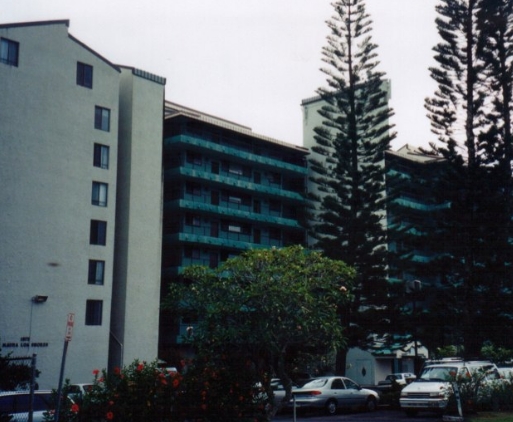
{"x": 138, "y": 392}
{"x": 69, "y": 410}
{"x": 221, "y": 390}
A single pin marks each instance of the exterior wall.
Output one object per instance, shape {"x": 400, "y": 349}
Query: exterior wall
{"x": 226, "y": 190}
{"x": 139, "y": 214}
{"x": 47, "y": 141}
{"x": 47, "y": 138}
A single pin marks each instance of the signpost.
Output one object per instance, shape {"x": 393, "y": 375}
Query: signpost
{"x": 67, "y": 339}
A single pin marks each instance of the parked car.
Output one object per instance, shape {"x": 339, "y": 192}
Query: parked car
{"x": 506, "y": 373}
{"x": 401, "y": 378}
{"x": 16, "y": 405}
{"x": 333, "y": 393}
{"x": 77, "y": 391}
{"x": 433, "y": 389}
{"x": 301, "y": 378}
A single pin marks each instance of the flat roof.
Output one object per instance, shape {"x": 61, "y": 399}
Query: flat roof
{"x": 172, "y": 110}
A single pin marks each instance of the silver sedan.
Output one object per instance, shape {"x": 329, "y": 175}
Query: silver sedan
{"x": 333, "y": 393}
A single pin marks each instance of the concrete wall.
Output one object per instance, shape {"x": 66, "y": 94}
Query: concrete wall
{"x": 47, "y": 138}
{"x": 136, "y": 303}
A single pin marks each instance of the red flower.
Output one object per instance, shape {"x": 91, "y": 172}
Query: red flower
{"x": 140, "y": 367}
{"x": 176, "y": 382}
{"x": 109, "y": 416}
{"x": 96, "y": 372}
{"x": 117, "y": 371}
{"x": 75, "y": 408}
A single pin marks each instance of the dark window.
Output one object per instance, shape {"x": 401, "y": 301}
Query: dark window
{"x": 102, "y": 118}
{"x": 96, "y": 272}
{"x": 94, "y": 310}
{"x": 9, "y": 51}
{"x": 193, "y": 189}
{"x": 99, "y": 194}
{"x": 275, "y": 233}
{"x": 194, "y": 158}
{"x": 84, "y": 75}
{"x": 98, "y": 233}
{"x": 192, "y": 220}
{"x": 101, "y": 156}
{"x": 275, "y": 206}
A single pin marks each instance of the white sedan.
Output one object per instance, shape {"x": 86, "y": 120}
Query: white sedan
{"x": 333, "y": 393}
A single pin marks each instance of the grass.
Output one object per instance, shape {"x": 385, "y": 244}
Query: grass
{"x": 492, "y": 417}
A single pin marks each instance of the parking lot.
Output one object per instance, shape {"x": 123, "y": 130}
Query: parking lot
{"x": 381, "y": 415}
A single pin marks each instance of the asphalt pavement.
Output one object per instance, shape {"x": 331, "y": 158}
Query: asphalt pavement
{"x": 381, "y": 415}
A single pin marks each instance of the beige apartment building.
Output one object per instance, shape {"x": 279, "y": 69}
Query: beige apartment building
{"x": 81, "y": 203}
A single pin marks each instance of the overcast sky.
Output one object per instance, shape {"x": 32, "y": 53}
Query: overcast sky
{"x": 250, "y": 61}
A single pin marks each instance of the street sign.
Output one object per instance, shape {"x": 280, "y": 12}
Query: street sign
{"x": 69, "y": 327}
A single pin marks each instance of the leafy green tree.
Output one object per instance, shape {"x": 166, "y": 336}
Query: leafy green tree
{"x": 266, "y": 310}
{"x": 348, "y": 166}
{"x": 473, "y": 233}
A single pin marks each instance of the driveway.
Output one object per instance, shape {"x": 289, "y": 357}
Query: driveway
{"x": 379, "y": 416}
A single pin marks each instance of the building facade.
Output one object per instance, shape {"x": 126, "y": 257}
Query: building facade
{"x": 80, "y": 154}
{"x": 226, "y": 190}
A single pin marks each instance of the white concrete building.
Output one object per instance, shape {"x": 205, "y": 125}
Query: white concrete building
{"x": 80, "y": 220}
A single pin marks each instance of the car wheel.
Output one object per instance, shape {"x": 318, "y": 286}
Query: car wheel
{"x": 411, "y": 412}
{"x": 371, "y": 404}
{"x": 331, "y": 407}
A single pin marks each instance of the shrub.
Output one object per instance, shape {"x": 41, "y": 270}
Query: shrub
{"x": 138, "y": 392}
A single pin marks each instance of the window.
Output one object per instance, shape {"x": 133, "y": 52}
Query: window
{"x": 235, "y": 169}
{"x": 96, "y": 272}
{"x": 194, "y": 158}
{"x": 94, "y": 310}
{"x": 102, "y": 118}
{"x": 9, "y": 51}
{"x": 84, "y": 75}
{"x": 98, "y": 232}
{"x": 101, "y": 156}
{"x": 99, "y": 195}
{"x": 192, "y": 220}
{"x": 274, "y": 233}
{"x": 274, "y": 206}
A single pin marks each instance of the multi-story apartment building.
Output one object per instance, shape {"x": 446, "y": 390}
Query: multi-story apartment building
{"x": 226, "y": 190}
{"x": 80, "y": 164}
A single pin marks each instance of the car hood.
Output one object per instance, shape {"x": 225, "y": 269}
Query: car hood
{"x": 425, "y": 386}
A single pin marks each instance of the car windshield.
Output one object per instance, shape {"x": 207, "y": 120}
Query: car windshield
{"x": 438, "y": 373}
{"x": 318, "y": 383}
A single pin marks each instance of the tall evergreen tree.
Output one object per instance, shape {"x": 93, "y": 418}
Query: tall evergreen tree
{"x": 348, "y": 168}
{"x": 496, "y": 24}
{"x": 464, "y": 119}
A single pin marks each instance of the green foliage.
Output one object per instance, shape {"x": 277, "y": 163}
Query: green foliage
{"x": 221, "y": 388}
{"x": 267, "y": 307}
{"x": 471, "y": 115}
{"x": 138, "y": 392}
{"x": 347, "y": 164}
{"x": 446, "y": 352}
{"x": 14, "y": 374}
{"x": 498, "y": 355}
{"x": 69, "y": 410}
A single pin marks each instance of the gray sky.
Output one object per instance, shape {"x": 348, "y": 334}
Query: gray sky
{"x": 250, "y": 61}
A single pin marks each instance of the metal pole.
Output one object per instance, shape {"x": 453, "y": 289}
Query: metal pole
{"x": 32, "y": 387}
{"x": 59, "y": 390}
